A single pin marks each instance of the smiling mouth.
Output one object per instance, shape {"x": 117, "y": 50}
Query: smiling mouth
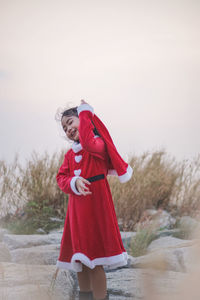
{"x": 73, "y": 133}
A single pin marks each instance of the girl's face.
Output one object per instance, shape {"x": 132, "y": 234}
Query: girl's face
{"x": 70, "y": 126}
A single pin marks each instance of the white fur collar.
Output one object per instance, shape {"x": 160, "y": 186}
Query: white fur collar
{"x": 76, "y": 147}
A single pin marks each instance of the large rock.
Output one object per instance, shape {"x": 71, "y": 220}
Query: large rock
{"x": 189, "y": 226}
{"x": 177, "y": 260}
{"x": 168, "y": 242}
{"x": 24, "y": 241}
{"x": 176, "y": 254}
{"x": 38, "y": 255}
{"x": 3, "y": 231}
{"x": 134, "y": 283}
{"x": 22, "y": 282}
{"x": 4, "y": 253}
{"x": 157, "y": 218}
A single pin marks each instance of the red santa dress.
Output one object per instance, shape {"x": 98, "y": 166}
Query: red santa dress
{"x": 91, "y": 234}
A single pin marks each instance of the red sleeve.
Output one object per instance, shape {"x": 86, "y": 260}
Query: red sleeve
{"x": 66, "y": 182}
{"x": 90, "y": 143}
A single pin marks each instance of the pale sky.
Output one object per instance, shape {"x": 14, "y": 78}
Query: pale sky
{"x": 136, "y": 62}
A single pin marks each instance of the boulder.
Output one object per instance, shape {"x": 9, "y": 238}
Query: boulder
{"x": 22, "y": 282}
{"x": 168, "y": 242}
{"x": 4, "y": 253}
{"x": 177, "y": 254}
{"x": 2, "y": 232}
{"x": 24, "y": 241}
{"x": 157, "y": 218}
{"x": 134, "y": 283}
{"x": 189, "y": 226}
{"x": 177, "y": 260}
{"x": 38, "y": 255}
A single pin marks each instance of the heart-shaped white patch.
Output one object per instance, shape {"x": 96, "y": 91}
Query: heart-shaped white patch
{"x": 77, "y": 172}
{"x": 78, "y": 158}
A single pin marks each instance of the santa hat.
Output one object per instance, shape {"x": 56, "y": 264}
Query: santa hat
{"x": 117, "y": 166}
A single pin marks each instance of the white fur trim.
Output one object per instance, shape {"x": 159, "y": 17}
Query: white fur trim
{"x": 122, "y": 178}
{"x": 76, "y": 147}
{"x": 110, "y": 262}
{"x": 73, "y": 185}
{"x": 85, "y": 107}
{"x": 78, "y": 158}
{"x": 125, "y": 177}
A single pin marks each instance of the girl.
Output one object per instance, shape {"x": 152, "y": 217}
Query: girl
{"x": 91, "y": 237}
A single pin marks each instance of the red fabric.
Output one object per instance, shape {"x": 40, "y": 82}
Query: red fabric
{"x": 115, "y": 160}
{"x": 91, "y": 225}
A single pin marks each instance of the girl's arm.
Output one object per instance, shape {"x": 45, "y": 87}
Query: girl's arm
{"x": 71, "y": 184}
{"x": 91, "y": 143}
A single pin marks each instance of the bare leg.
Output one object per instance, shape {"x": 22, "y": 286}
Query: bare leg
{"x": 84, "y": 279}
{"x": 98, "y": 282}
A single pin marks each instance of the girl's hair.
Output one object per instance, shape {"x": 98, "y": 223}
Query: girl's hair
{"x": 70, "y": 112}
{"x": 73, "y": 112}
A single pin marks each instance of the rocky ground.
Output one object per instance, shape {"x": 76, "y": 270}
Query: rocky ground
{"x": 27, "y": 268}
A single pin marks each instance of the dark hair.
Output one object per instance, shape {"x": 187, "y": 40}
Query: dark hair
{"x": 73, "y": 112}
{"x": 70, "y": 112}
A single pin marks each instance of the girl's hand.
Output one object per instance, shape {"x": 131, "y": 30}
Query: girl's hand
{"x": 81, "y": 186}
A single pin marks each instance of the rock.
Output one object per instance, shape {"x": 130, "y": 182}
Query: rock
{"x": 22, "y": 282}
{"x": 177, "y": 260}
{"x": 189, "y": 226}
{"x": 38, "y": 255}
{"x": 56, "y": 220}
{"x": 25, "y": 241}
{"x": 4, "y": 253}
{"x": 158, "y": 218}
{"x": 168, "y": 241}
{"x": 40, "y": 231}
{"x": 167, "y": 232}
{"x": 130, "y": 283}
{"x": 2, "y": 232}
{"x": 176, "y": 254}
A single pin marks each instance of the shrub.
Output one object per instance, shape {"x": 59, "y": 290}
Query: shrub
{"x": 152, "y": 183}
{"x": 141, "y": 241}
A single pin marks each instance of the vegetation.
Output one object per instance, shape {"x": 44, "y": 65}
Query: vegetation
{"x": 141, "y": 241}
{"x": 30, "y": 197}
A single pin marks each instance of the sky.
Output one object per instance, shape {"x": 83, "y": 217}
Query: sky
{"x": 136, "y": 62}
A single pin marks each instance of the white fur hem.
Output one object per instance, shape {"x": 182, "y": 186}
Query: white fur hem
{"x": 125, "y": 177}
{"x": 85, "y": 107}
{"x": 109, "y": 262}
{"x": 73, "y": 185}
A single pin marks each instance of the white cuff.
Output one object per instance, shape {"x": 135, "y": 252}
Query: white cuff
{"x": 85, "y": 107}
{"x": 73, "y": 185}
{"x": 127, "y": 176}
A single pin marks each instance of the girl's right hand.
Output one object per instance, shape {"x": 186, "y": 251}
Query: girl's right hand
{"x": 81, "y": 186}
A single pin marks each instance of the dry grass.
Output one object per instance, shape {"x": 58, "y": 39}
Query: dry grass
{"x": 30, "y": 195}
{"x": 158, "y": 181}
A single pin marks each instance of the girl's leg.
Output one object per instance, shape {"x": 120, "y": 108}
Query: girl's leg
{"x": 84, "y": 279}
{"x": 98, "y": 282}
